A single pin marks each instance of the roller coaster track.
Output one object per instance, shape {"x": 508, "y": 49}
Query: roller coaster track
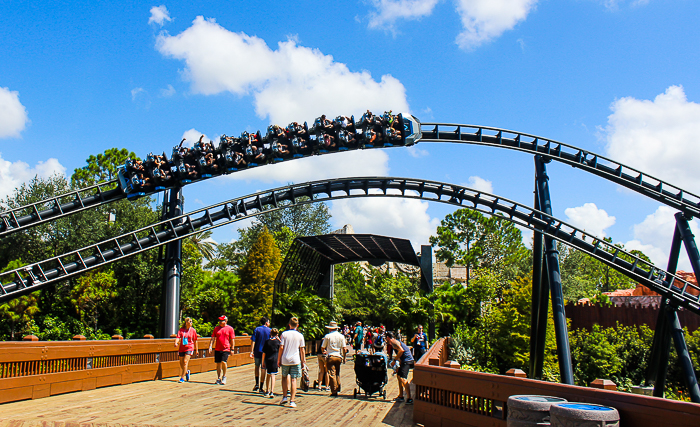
{"x": 37, "y": 213}
{"x": 604, "y": 167}
{"x": 39, "y": 275}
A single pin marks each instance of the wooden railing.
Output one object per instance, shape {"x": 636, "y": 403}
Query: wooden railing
{"x": 34, "y": 369}
{"x": 448, "y": 396}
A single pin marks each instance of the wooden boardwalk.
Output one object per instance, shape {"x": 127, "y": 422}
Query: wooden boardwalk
{"x": 201, "y": 403}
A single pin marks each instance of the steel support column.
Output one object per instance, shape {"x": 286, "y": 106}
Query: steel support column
{"x": 535, "y": 356}
{"x": 691, "y": 380}
{"x": 554, "y": 276}
{"x": 173, "y": 270}
{"x": 426, "y": 268}
{"x": 691, "y": 248}
{"x": 661, "y": 346}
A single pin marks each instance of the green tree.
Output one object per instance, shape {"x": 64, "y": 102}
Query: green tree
{"x": 468, "y": 237}
{"x": 257, "y": 278}
{"x": 101, "y": 168}
{"x": 92, "y": 293}
{"x": 202, "y": 241}
{"x": 18, "y": 313}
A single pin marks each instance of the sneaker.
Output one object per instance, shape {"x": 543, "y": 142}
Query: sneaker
{"x": 187, "y": 376}
{"x": 398, "y": 399}
{"x": 181, "y": 380}
{"x": 218, "y": 381}
{"x": 270, "y": 395}
{"x": 292, "y": 405}
{"x": 284, "y": 401}
{"x": 262, "y": 391}
{"x": 223, "y": 380}
{"x": 256, "y": 388}
{"x": 409, "y": 402}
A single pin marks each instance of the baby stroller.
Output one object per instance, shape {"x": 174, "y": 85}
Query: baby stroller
{"x": 370, "y": 373}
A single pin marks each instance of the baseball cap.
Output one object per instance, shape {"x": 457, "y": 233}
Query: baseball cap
{"x": 223, "y": 318}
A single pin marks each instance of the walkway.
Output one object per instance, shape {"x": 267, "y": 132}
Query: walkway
{"x": 200, "y": 403}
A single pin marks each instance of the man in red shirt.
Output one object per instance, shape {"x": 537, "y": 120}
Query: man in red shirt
{"x": 224, "y": 337}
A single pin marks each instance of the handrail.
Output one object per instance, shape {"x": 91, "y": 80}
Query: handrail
{"x": 30, "y": 370}
{"x": 446, "y": 396}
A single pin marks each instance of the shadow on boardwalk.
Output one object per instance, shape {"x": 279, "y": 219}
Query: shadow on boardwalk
{"x": 201, "y": 403}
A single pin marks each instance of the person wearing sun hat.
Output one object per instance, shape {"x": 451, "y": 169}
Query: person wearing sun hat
{"x": 224, "y": 337}
{"x": 333, "y": 344}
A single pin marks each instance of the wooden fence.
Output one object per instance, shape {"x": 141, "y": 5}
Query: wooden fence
{"x": 584, "y": 316}
{"x": 34, "y": 369}
{"x": 454, "y": 397}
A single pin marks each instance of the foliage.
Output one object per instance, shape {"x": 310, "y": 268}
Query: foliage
{"x": 18, "y": 313}
{"x": 500, "y": 338}
{"x": 374, "y": 296}
{"x": 620, "y": 354}
{"x": 93, "y": 290}
{"x": 257, "y": 279}
{"x": 101, "y": 168}
{"x": 584, "y": 276}
{"x": 312, "y": 311}
{"x": 468, "y": 237}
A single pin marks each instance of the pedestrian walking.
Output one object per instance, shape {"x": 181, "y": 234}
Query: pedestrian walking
{"x": 186, "y": 342}
{"x": 333, "y": 344}
{"x": 358, "y": 335}
{"x": 260, "y": 336}
{"x": 406, "y": 362}
{"x": 419, "y": 342}
{"x": 270, "y": 356}
{"x": 224, "y": 337}
{"x": 291, "y": 358}
{"x": 322, "y": 382}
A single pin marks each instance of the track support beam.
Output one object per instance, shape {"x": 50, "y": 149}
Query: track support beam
{"x": 554, "y": 277}
{"x": 173, "y": 270}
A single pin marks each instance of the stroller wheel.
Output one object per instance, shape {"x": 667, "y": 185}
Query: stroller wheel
{"x": 354, "y": 394}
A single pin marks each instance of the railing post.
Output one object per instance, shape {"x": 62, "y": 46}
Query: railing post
{"x": 30, "y": 338}
{"x": 554, "y": 276}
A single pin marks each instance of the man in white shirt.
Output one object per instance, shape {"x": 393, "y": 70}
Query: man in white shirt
{"x": 291, "y": 359}
{"x": 333, "y": 343}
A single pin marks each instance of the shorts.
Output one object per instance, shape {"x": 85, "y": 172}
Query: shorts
{"x": 293, "y": 371}
{"x": 258, "y": 361}
{"x": 221, "y": 356}
{"x": 272, "y": 373}
{"x": 404, "y": 368}
{"x": 183, "y": 353}
{"x": 357, "y": 345}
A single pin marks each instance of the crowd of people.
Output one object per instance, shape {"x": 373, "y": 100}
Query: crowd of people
{"x": 252, "y": 149}
{"x": 283, "y": 353}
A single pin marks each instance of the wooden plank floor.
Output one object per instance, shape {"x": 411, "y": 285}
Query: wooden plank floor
{"x": 201, "y": 403}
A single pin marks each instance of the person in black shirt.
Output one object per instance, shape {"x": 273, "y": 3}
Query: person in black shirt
{"x": 270, "y": 353}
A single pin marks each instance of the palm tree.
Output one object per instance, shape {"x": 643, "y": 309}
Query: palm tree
{"x": 204, "y": 244}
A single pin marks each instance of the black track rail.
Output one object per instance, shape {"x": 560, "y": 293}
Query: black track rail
{"x": 56, "y": 207}
{"x": 45, "y": 273}
{"x": 37, "y": 213}
{"x": 604, "y": 167}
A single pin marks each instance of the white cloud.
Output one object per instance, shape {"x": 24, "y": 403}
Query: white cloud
{"x": 653, "y": 236}
{"x": 135, "y": 92}
{"x": 292, "y": 83}
{"x": 159, "y": 14}
{"x": 484, "y": 20}
{"x": 393, "y": 217}
{"x": 387, "y": 12}
{"x": 170, "y": 91}
{"x": 590, "y": 219}
{"x": 658, "y": 137}
{"x": 615, "y": 4}
{"x": 13, "y": 115}
{"x": 14, "y": 174}
{"x": 417, "y": 152}
{"x": 337, "y": 165}
{"x": 193, "y": 136}
{"x": 479, "y": 184}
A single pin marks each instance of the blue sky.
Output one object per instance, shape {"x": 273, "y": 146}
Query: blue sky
{"x": 619, "y": 78}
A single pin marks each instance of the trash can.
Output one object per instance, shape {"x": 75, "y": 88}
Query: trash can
{"x": 530, "y": 410}
{"x": 570, "y": 414}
